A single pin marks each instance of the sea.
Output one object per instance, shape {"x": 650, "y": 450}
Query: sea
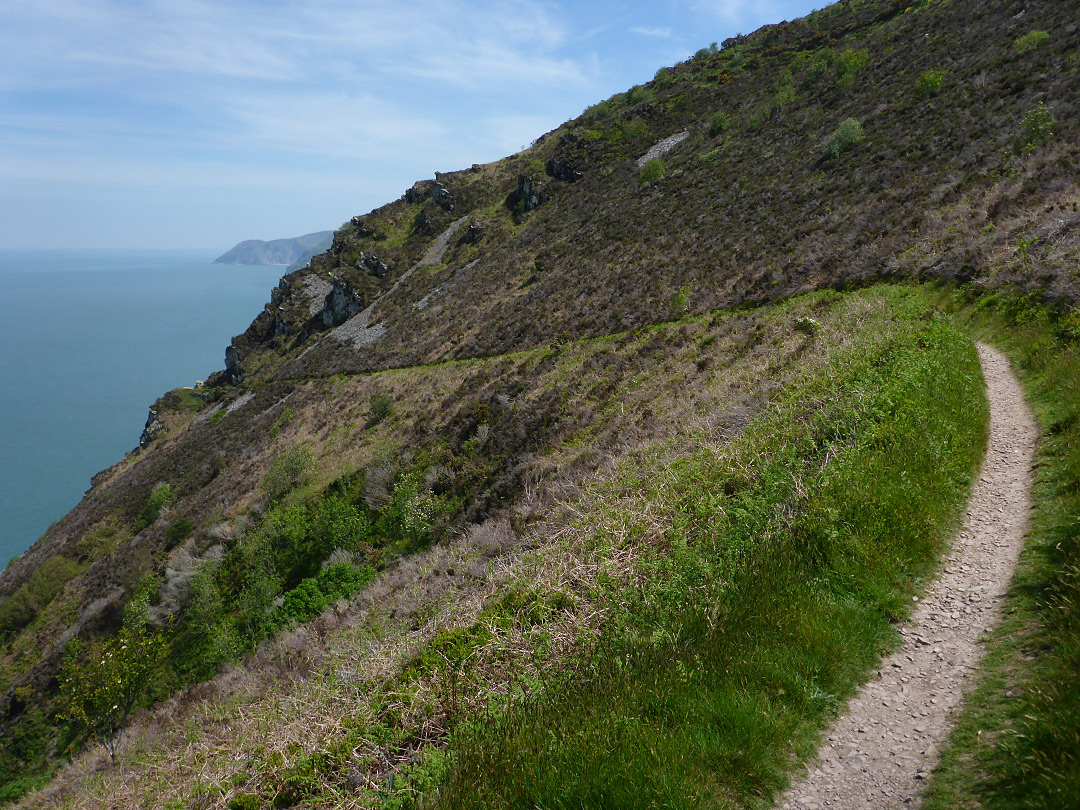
{"x": 90, "y": 340}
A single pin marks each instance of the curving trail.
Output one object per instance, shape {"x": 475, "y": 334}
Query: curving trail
{"x": 877, "y": 755}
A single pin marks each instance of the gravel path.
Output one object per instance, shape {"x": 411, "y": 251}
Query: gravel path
{"x": 878, "y": 754}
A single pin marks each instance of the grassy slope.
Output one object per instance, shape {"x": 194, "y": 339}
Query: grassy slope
{"x": 741, "y": 576}
{"x": 769, "y": 576}
{"x": 1017, "y": 743}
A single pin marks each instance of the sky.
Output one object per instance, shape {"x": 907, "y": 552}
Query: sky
{"x": 195, "y": 124}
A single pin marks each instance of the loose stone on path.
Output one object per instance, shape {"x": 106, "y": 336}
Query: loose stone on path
{"x": 881, "y": 752}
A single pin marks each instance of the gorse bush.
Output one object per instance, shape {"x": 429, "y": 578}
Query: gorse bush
{"x": 849, "y": 133}
{"x": 680, "y": 303}
{"x": 1031, "y": 40}
{"x": 178, "y": 530}
{"x": 381, "y": 407}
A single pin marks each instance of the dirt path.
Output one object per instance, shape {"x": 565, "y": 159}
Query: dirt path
{"x": 878, "y": 754}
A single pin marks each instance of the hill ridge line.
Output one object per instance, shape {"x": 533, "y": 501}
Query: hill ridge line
{"x": 881, "y": 750}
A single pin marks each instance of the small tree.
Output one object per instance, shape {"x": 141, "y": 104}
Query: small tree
{"x": 99, "y": 691}
{"x": 1038, "y": 128}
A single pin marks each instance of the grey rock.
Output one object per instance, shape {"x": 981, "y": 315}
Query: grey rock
{"x": 153, "y": 429}
{"x": 233, "y": 372}
{"x": 341, "y": 304}
{"x": 561, "y": 170}
{"x": 528, "y": 196}
{"x": 441, "y": 196}
{"x": 371, "y": 263}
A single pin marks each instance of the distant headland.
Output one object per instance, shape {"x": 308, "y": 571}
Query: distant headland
{"x": 278, "y": 251}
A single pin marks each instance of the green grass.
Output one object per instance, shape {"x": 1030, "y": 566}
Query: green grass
{"x": 766, "y": 596}
{"x": 1017, "y": 742}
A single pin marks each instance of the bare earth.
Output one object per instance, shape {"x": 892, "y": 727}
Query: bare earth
{"x": 879, "y": 753}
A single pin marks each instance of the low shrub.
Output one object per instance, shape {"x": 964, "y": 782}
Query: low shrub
{"x": 849, "y": 65}
{"x": 160, "y": 498}
{"x": 721, "y": 122}
{"x": 291, "y": 469}
{"x": 652, "y": 171}
{"x": 178, "y": 530}
{"x": 381, "y": 407}
{"x": 1031, "y": 40}
{"x": 849, "y": 133}
{"x": 929, "y": 83}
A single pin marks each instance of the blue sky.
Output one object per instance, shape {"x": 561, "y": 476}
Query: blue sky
{"x": 195, "y": 124}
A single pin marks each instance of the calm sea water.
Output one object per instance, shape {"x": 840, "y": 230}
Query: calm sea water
{"x": 90, "y": 340}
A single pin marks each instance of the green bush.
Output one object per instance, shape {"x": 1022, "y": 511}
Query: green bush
{"x": 849, "y": 133}
{"x": 652, "y": 171}
{"x": 819, "y": 65}
{"x": 721, "y": 122}
{"x": 313, "y": 595}
{"x": 245, "y": 801}
{"x": 1031, "y": 40}
{"x": 680, "y": 303}
{"x": 291, "y": 469}
{"x": 159, "y": 499}
{"x": 703, "y": 54}
{"x": 849, "y": 65}
{"x": 1038, "y": 127}
{"x": 929, "y": 83}
{"x": 17, "y": 611}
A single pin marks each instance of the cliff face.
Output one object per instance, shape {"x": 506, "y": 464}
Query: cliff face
{"x": 421, "y": 349}
{"x": 277, "y": 251}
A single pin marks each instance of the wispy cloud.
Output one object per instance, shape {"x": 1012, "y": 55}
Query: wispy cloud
{"x": 167, "y": 100}
{"x": 660, "y": 33}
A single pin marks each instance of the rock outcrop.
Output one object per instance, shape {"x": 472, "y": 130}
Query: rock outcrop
{"x": 153, "y": 429}
{"x": 441, "y": 196}
{"x": 528, "y": 196}
{"x": 341, "y": 304}
{"x": 562, "y": 170}
{"x": 233, "y": 373}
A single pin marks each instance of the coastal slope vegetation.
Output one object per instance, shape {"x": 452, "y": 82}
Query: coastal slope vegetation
{"x": 543, "y": 472}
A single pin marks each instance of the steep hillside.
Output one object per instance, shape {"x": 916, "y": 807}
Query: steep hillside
{"x": 458, "y": 378}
